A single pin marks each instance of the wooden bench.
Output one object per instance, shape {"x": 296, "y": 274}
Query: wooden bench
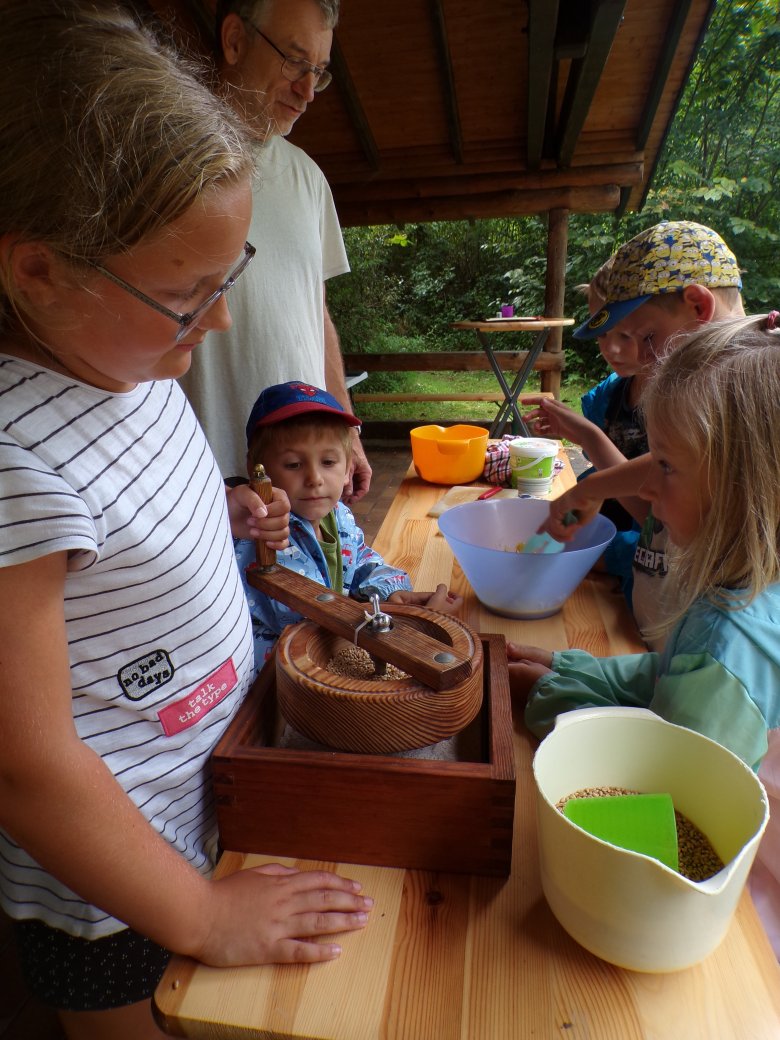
{"x": 444, "y": 361}
{"x": 439, "y": 361}
{"x": 392, "y": 397}
{"x": 450, "y": 361}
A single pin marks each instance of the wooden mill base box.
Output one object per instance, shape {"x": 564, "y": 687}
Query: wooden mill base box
{"x": 389, "y": 811}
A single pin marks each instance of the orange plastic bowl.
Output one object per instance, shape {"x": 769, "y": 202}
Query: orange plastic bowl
{"x": 449, "y": 455}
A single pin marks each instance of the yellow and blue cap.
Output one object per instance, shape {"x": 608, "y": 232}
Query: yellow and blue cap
{"x": 662, "y": 259}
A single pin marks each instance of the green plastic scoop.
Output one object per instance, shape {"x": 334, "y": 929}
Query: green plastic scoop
{"x": 640, "y": 822}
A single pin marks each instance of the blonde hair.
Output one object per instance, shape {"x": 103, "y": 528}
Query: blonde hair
{"x": 107, "y": 136}
{"x": 269, "y": 440}
{"x": 595, "y": 290}
{"x": 600, "y": 280}
{"x": 720, "y": 390}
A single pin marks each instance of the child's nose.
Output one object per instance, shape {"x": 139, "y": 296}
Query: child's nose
{"x": 649, "y": 489}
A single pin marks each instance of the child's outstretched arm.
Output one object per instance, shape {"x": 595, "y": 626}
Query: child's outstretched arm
{"x": 555, "y": 419}
{"x": 442, "y": 600}
{"x": 623, "y": 482}
{"x": 251, "y": 518}
{"x": 527, "y": 664}
{"x": 61, "y": 803}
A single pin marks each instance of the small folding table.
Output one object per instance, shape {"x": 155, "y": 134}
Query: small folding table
{"x": 508, "y": 409}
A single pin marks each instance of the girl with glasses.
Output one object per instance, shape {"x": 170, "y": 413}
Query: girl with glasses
{"x": 127, "y": 648}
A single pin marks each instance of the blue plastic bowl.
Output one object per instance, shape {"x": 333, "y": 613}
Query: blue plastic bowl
{"x": 484, "y": 536}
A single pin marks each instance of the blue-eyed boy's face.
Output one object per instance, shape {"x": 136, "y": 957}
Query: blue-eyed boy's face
{"x": 623, "y": 353}
{"x": 621, "y": 350}
{"x": 311, "y": 465}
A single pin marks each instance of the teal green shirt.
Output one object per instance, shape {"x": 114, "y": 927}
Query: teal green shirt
{"x": 719, "y": 674}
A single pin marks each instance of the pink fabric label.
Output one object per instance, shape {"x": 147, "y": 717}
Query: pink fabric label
{"x": 196, "y": 705}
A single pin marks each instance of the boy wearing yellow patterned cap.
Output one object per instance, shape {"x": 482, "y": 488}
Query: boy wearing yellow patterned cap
{"x": 660, "y": 265}
{"x": 663, "y": 283}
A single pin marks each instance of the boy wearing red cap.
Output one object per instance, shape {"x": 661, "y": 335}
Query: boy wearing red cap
{"x": 301, "y": 435}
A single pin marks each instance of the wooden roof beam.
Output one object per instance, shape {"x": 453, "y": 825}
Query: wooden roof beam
{"x": 596, "y": 199}
{"x": 662, "y": 69}
{"x": 357, "y": 116}
{"x": 657, "y": 85}
{"x": 448, "y": 79}
{"x": 585, "y": 74}
{"x": 389, "y": 189}
{"x": 542, "y": 24}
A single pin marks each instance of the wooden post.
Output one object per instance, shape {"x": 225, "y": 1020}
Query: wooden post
{"x": 557, "y": 244}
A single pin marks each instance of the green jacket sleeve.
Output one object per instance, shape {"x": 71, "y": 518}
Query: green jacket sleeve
{"x": 699, "y": 692}
{"x": 579, "y": 680}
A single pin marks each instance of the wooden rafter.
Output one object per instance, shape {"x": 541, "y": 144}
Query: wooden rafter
{"x": 447, "y": 80}
{"x": 626, "y": 192}
{"x": 596, "y": 199}
{"x": 585, "y": 74}
{"x": 542, "y": 23}
{"x": 477, "y": 183}
{"x": 357, "y": 116}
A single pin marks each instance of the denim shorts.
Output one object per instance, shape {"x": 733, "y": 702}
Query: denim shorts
{"x": 68, "y": 973}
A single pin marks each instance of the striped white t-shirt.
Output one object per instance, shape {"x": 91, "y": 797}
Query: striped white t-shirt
{"x": 157, "y": 624}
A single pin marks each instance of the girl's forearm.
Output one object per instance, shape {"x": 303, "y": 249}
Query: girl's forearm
{"x": 623, "y": 482}
{"x": 70, "y": 814}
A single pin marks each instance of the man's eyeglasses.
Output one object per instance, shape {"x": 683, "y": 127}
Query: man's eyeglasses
{"x": 296, "y": 69}
{"x": 186, "y": 322}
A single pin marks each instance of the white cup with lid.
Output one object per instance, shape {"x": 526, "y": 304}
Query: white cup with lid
{"x": 532, "y": 464}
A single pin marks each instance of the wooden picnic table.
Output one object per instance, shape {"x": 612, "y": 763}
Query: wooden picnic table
{"x": 459, "y": 957}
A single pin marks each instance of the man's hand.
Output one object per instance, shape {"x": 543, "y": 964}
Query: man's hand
{"x": 359, "y": 480}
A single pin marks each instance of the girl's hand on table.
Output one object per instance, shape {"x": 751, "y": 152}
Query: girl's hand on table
{"x": 527, "y": 665}
{"x": 442, "y": 600}
{"x": 272, "y": 915}
{"x": 252, "y": 518}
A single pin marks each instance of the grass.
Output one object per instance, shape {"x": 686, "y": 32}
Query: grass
{"x": 447, "y": 382}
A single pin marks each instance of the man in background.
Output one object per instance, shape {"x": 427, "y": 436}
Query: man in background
{"x": 272, "y": 58}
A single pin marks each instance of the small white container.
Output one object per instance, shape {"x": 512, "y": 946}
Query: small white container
{"x": 532, "y": 464}
{"x": 625, "y": 907}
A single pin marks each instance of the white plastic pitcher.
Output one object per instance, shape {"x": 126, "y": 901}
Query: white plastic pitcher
{"x": 625, "y": 907}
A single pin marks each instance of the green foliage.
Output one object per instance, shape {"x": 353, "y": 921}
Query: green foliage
{"x": 719, "y": 167}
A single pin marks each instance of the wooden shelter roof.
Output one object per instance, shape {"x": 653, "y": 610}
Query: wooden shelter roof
{"x": 449, "y": 109}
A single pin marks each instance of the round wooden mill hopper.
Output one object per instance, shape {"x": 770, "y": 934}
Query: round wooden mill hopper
{"x": 382, "y": 715}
